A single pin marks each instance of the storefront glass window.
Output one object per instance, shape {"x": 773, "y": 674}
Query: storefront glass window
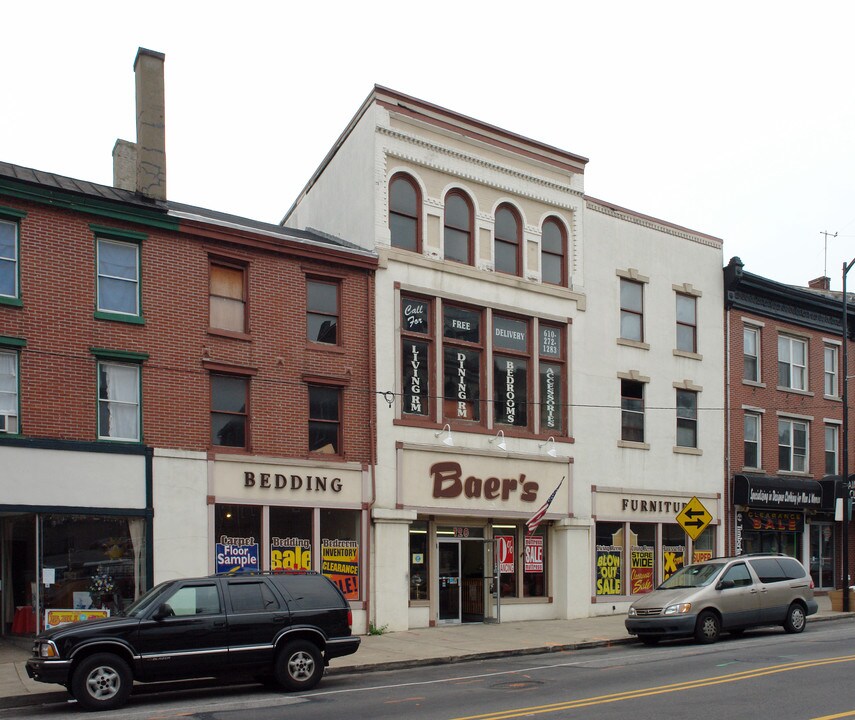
{"x": 419, "y": 577}
{"x": 642, "y": 578}
{"x": 704, "y": 547}
{"x": 771, "y": 531}
{"x": 609, "y": 558}
{"x": 290, "y": 538}
{"x": 96, "y": 561}
{"x": 673, "y": 550}
{"x": 340, "y": 549}
{"x": 505, "y": 537}
{"x": 534, "y": 563}
{"x": 237, "y": 533}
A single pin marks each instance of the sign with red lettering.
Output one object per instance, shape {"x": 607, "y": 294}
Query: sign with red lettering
{"x": 534, "y": 553}
{"x": 505, "y": 551}
{"x": 641, "y": 569}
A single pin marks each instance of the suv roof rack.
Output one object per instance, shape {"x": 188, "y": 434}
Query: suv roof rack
{"x": 239, "y": 572}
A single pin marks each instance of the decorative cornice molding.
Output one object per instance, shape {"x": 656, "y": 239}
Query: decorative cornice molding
{"x": 445, "y": 151}
{"x": 651, "y": 224}
{"x": 786, "y": 311}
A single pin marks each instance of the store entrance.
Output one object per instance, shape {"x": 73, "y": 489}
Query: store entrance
{"x": 462, "y": 586}
{"x": 18, "y": 558}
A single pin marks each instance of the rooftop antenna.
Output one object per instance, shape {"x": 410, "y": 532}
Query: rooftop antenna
{"x": 825, "y": 252}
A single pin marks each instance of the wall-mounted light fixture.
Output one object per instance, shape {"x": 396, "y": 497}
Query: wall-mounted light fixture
{"x": 448, "y": 439}
{"x": 499, "y": 440}
{"x": 550, "y": 441}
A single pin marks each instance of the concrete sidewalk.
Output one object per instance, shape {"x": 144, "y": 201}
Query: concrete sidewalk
{"x": 409, "y": 648}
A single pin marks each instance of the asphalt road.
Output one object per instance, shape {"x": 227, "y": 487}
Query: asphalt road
{"x": 763, "y": 674}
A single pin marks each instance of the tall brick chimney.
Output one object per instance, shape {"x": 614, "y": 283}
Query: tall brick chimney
{"x": 141, "y": 166}
{"x": 820, "y": 283}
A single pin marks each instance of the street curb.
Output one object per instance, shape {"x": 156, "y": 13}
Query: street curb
{"x": 15, "y": 701}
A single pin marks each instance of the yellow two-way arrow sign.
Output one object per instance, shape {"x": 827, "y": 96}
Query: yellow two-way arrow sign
{"x": 694, "y": 518}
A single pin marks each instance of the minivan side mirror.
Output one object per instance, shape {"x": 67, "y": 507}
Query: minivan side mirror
{"x": 725, "y": 585}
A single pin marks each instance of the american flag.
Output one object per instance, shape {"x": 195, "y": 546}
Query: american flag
{"x": 535, "y": 519}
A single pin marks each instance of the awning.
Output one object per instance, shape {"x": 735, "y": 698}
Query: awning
{"x": 833, "y": 487}
{"x": 777, "y": 492}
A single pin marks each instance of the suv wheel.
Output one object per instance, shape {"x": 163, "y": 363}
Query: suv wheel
{"x": 708, "y": 627}
{"x": 101, "y": 682}
{"x": 299, "y": 666}
{"x": 796, "y": 619}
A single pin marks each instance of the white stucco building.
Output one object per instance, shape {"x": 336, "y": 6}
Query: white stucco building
{"x": 529, "y": 338}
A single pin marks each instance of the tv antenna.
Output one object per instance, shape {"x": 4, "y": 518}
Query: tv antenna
{"x": 825, "y": 252}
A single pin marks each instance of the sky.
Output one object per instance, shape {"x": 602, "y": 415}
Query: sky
{"x": 735, "y": 119}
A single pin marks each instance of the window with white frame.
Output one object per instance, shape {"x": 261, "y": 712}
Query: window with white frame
{"x": 8, "y": 259}
{"x": 118, "y": 401}
{"x": 118, "y": 277}
{"x": 831, "y": 449}
{"x": 792, "y": 363}
{"x": 687, "y": 418}
{"x": 8, "y": 392}
{"x": 830, "y": 375}
{"x": 751, "y": 354}
{"x": 792, "y": 445}
{"x": 751, "y": 442}
{"x": 632, "y": 410}
{"x": 687, "y": 323}
{"x": 631, "y": 310}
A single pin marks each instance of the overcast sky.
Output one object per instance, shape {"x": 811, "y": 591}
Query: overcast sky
{"x": 736, "y": 119}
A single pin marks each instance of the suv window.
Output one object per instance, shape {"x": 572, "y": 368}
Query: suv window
{"x": 768, "y": 570}
{"x": 739, "y": 575}
{"x": 195, "y": 600}
{"x": 251, "y": 597}
{"x": 309, "y": 591}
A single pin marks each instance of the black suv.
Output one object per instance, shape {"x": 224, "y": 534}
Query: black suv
{"x": 283, "y": 626}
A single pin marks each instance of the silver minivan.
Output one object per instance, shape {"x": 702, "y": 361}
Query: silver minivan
{"x": 725, "y": 595}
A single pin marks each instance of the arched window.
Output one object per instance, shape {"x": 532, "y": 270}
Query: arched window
{"x": 507, "y": 248}
{"x": 553, "y": 253}
{"x": 404, "y": 213}
{"x": 458, "y": 228}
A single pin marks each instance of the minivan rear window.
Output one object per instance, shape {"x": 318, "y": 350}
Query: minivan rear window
{"x": 769, "y": 570}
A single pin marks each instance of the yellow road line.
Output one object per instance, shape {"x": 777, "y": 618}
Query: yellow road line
{"x": 662, "y": 689}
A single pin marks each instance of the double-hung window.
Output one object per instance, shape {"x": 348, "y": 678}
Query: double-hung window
{"x": 404, "y": 204}
{"x": 507, "y": 248}
{"x": 751, "y": 354}
{"x": 792, "y": 445}
{"x": 457, "y": 232}
{"x": 631, "y": 310}
{"x": 322, "y": 311}
{"x": 9, "y": 391}
{"x": 10, "y": 256}
{"x": 227, "y": 299}
{"x": 792, "y": 363}
{"x": 325, "y": 419}
{"x": 118, "y": 401}
{"x": 687, "y": 418}
{"x": 830, "y": 374}
{"x": 751, "y": 442}
{"x": 632, "y": 410}
{"x": 229, "y": 411}
{"x": 510, "y": 371}
{"x": 831, "y": 449}
{"x": 553, "y": 253}
{"x": 118, "y": 274}
{"x": 687, "y": 323}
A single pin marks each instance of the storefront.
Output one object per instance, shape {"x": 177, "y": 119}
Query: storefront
{"x": 471, "y": 557}
{"x": 775, "y": 514}
{"x": 85, "y": 544}
{"x": 270, "y": 514}
{"x": 639, "y": 542}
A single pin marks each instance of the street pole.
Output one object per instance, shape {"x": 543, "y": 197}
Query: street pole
{"x": 847, "y": 502}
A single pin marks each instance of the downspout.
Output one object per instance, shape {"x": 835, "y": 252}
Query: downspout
{"x": 372, "y": 428}
{"x": 730, "y": 533}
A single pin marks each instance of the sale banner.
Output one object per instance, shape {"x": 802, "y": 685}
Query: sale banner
{"x": 641, "y": 569}
{"x": 340, "y": 563}
{"x": 62, "y": 617}
{"x": 534, "y": 553}
{"x": 290, "y": 554}
{"x": 609, "y": 562}
{"x": 505, "y": 549}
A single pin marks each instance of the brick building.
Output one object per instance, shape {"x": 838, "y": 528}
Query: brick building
{"x": 784, "y": 420}
{"x": 181, "y": 390}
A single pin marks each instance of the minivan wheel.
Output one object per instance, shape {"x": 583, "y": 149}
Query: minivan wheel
{"x": 708, "y": 627}
{"x": 796, "y": 619}
{"x": 101, "y": 682}
{"x": 299, "y": 666}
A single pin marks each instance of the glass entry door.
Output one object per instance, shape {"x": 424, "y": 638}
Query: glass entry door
{"x": 449, "y": 581}
{"x": 822, "y": 560}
